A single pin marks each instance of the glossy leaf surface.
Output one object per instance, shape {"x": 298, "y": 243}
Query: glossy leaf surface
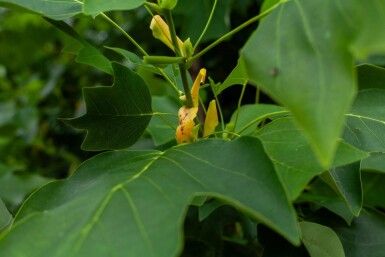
{"x": 302, "y": 55}
{"x": 116, "y": 200}
{"x": 116, "y": 116}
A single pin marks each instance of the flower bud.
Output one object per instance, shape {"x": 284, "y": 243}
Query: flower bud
{"x": 211, "y": 121}
{"x": 167, "y": 4}
{"x": 161, "y": 31}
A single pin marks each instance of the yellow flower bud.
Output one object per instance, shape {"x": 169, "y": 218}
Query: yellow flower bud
{"x": 161, "y": 31}
{"x": 211, "y": 121}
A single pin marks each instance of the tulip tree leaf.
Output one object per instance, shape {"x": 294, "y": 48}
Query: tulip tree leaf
{"x": 365, "y": 127}
{"x": 292, "y": 156}
{"x": 302, "y": 55}
{"x": 237, "y": 76}
{"x": 163, "y": 125}
{"x": 365, "y": 236}
{"x": 57, "y": 10}
{"x": 247, "y": 118}
{"x": 116, "y": 115}
{"x": 320, "y": 241}
{"x": 346, "y": 181}
{"x": 94, "y": 7}
{"x": 115, "y": 201}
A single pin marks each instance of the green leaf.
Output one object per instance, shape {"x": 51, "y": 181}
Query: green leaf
{"x": 321, "y": 241}
{"x": 132, "y": 203}
{"x": 375, "y": 162}
{"x": 134, "y": 59}
{"x": 14, "y": 188}
{"x": 365, "y": 127}
{"x": 237, "y": 76}
{"x": 116, "y": 116}
{"x": 346, "y": 181}
{"x": 365, "y": 237}
{"x": 332, "y": 202}
{"x": 162, "y": 126}
{"x": 302, "y": 56}
{"x": 94, "y": 7}
{"x": 57, "y": 10}
{"x": 251, "y": 115}
{"x": 370, "y": 76}
{"x": 291, "y": 154}
{"x": 6, "y": 218}
{"x": 86, "y": 53}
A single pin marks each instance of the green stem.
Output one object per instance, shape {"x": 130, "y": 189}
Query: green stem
{"x": 182, "y": 66}
{"x": 218, "y": 104}
{"x": 257, "y": 95}
{"x": 239, "y": 104}
{"x": 124, "y": 33}
{"x": 232, "y": 32}
{"x": 139, "y": 47}
{"x": 206, "y": 27}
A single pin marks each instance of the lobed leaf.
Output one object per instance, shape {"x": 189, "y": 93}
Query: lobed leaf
{"x": 116, "y": 116}
{"x": 132, "y": 203}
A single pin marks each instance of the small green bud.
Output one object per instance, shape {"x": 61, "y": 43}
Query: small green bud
{"x": 187, "y": 48}
{"x": 167, "y": 4}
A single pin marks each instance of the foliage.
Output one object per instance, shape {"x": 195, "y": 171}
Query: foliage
{"x": 301, "y": 164}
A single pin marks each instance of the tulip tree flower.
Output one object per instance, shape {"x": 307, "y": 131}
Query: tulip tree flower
{"x": 187, "y": 131}
{"x": 161, "y": 31}
{"x": 211, "y": 121}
